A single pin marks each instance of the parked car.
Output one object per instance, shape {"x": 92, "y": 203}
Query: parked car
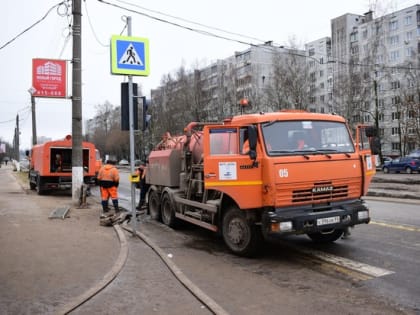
{"x": 123, "y": 162}
{"x": 415, "y": 153}
{"x": 404, "y": 164}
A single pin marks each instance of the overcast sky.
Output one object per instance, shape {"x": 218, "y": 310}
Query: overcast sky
{"x": 170, "y": 46}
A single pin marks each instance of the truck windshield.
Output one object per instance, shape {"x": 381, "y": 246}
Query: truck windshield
{"x": 308, "y": 137}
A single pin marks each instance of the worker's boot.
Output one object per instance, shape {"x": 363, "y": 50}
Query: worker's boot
{"x": 115, "y": 203}
{"x": 105, "y": 209}
{"x": 141, "y": 203}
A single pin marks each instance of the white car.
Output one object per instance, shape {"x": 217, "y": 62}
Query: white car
{"x": 123, "y": 162}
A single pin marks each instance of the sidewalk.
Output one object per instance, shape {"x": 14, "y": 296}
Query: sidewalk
{"x": 399, "y": 186}
{"x": 44, "y": 262}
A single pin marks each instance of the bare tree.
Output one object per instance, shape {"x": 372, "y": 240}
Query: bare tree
{"x": 290, "y": 84}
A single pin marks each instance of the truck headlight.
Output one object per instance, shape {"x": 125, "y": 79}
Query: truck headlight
{"x": 362, "y": 215}
{"x": 281, "y": 226}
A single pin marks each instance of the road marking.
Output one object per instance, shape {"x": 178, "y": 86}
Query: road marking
{"x": 347, "y": 263}
{"x": 397, "y": 226}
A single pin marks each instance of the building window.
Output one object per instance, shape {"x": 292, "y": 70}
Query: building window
{"x": 411, "y": 83}
{"x": 354, "y": 50}
{"x": 311, "y": 51}
{"x": 409, "y": 51}
{"x": 395, "y": 100}
{"x": 312, "y": 76}
{"x": 366, "y": 48}
{"x": 381, "y": 132}
{"x": 364, "y": 33}
{"x": 394, "y": 40}
{"x": 394, "y": 55}
{"x": 395, "y": 85}
{"x": 322, "y": 98}
{"x": 396, "y": 115}
{"x": 395, "y": 131}
{"x": 321, "y": 73}
{"x": 408, "y": 36}
{"x": 393, "y": 25}
{"x": 353, "y": 37}
{"x": 395, "y": 146}
{"x": 411, "y": 114}
{"x": 381, "y": 116}
{"x": 321, "y": 60}
{"x": 407, "y": 20}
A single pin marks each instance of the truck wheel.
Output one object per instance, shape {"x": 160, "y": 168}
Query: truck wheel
{"x": 242, "y": 237}
{"x": 39, "y": 182}
{"x": 168, "y": 211}
{"x": 386, "y": 170}
{"x": 154, "y": 205}
{"x": 408, "y": 170}
{"x": 326, "y": 236}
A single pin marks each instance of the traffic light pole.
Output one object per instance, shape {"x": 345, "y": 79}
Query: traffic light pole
{"x": 131, "y": 122}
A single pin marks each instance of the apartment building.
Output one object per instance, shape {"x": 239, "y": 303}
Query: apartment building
{"x": 376, "y": 74}
{"x": 368, "y": 71}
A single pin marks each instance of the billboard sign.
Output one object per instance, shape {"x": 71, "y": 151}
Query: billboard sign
{"x": 49, "y": 78}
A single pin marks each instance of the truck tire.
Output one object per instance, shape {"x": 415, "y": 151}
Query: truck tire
{"x": 168, "y": 211}
{"x": 241, "y": 236}
{"x": 154, "y": 206}
{"x": 327, "y": 236}
{"x": 386, "y": 170}
{"x": 39, "y": 183}
{"x": 408, "y": 170}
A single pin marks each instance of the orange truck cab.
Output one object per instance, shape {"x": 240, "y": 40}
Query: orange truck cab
{"x": 264, "y": 174}
{"x": 51, "y": 165}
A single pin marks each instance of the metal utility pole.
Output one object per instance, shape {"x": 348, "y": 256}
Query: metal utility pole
{"x": 77, "y": 158}
{"x": 17, "y": 154}
{"x": 131, "y": 122}
{"x": 34, "y": 139}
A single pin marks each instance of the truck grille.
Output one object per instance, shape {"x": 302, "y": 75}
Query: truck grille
{"x": 315, "y": 192}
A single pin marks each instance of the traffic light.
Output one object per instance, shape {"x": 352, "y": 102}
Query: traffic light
{"x": 125, "y": 118}
{"x": 146, "y": 116}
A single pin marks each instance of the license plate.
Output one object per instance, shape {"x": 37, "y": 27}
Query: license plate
{"x": 325, "y": 221}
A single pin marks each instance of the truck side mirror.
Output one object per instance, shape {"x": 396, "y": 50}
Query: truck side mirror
{"x": 252, "y": 138}
{"x": 375, "y": 145}
{"x": 27, "y": 152}
{"x": 371, "y": 132}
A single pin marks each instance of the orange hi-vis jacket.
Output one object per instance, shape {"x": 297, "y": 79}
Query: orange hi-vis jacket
{"x": 108, "y": 176}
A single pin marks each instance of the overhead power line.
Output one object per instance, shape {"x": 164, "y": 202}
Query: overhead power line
{"x": 32, "y": 26}
{"x": 290, "y": 51}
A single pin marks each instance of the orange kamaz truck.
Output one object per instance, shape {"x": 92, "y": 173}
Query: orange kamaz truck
{"x": 264, "y": 174}
{"x": 51, "y": 165}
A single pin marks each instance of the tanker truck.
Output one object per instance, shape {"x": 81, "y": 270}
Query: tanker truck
{"x": 258, "y": 175}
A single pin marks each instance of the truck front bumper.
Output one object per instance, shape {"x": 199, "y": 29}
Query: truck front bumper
{"x": 310, "y": 219}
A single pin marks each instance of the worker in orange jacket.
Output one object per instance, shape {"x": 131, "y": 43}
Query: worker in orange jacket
{"x": 144, "y": 187}
{"x": 108, "y": 180}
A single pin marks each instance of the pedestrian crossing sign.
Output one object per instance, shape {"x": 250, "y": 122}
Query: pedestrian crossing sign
{"x": 129, "y": 55}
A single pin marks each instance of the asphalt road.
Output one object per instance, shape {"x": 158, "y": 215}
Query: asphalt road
{"x": 289, "y": 275}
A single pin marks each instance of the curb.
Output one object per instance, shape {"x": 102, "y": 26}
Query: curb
{"x": 107, "y": 279}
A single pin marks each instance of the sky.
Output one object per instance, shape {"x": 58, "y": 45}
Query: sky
{"x": 171, "y": 46}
